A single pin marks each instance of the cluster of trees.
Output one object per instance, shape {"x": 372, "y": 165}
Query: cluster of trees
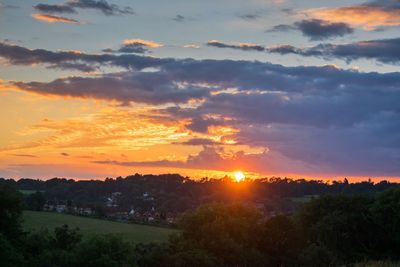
{"x": 176, "y": 194}
{"x": 329, "y": 231}
{"x": 63, "y": 247}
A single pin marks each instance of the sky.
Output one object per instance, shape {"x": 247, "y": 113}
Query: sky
{"x": 301, "y": 89}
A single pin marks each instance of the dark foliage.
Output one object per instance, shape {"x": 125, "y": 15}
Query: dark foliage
{"x": 329, "y": 231}
{"x": 176, "y": 194}
{"x": 10, "y": 212}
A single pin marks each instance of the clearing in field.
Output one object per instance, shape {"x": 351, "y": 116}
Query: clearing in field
{"x": 35, "y": 220}
{"x": 28, "y": 192}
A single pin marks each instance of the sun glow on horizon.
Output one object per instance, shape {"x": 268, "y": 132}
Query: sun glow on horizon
{"x": 239, "y": 176}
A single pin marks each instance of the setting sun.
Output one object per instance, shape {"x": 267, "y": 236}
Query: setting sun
{"x": 239, "y": 176}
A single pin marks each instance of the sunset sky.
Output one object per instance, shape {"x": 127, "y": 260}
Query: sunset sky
{"x": 95, "y": 89}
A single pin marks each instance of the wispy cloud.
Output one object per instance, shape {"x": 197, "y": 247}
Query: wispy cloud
{"x": 250, "y": 16}
{"x": 239, "y": 46}
{"x": 54, "y": 19}
{"x": 55, "y": 8}
{"x": 179, "y": 18}
{"x": 8, "y": 6}
{"x": 101, "y": 5}
{"x": 71, "y": 6}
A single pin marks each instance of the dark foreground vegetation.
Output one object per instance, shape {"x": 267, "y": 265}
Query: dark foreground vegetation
{"x": 328, "y": 231}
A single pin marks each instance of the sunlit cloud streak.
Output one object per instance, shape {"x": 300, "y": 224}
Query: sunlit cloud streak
{"x": 142, "y": 42}
{"x": 108, "y": 129}
{"x": 136, "y": 46}
{"x": 54, "y": 19}
{"x": 370, "y": 15}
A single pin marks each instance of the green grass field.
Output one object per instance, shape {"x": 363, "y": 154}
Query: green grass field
{"x": 28, "y": 192}
{"x": 34, "y": 220}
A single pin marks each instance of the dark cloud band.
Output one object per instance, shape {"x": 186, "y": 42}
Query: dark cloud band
{"x": 71, "y": 6}
{"x": 384, "y": 50}
{"x": 316, "y": 29}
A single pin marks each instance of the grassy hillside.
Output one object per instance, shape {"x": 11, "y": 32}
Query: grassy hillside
{"x": 88, "y": 226}
{"x": 28, "y": 192}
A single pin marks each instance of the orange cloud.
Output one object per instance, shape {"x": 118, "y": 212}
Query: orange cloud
{"x": 147, "y": 43}
{"x": 54, "y": 19}
{"x": 110, "y": 129}
{"x": 367, "y": 17}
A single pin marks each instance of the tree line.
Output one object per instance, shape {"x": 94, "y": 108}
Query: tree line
{"x": 175, "y": 193}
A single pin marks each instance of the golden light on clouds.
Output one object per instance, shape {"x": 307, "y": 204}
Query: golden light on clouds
{"x": 366, "y": 17}
{"x": 53, "y": 19}
{"x": 220, "y": 133}
{"x": 147, "y": 43}
{"x": 64, "y": 137}
{"x": 49, "y": 134}
{"x": 109, "y": 128}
